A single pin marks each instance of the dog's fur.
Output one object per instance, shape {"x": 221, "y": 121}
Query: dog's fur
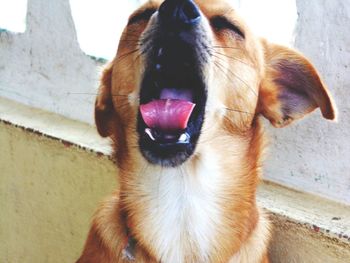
{"x": 203, "y": 210}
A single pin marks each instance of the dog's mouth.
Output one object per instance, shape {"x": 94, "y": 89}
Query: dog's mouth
{"x": 173, "y": 91}
{"x": 172, "y": 103}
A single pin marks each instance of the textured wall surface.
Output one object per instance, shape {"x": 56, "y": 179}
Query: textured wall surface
{"x": 44, "y": 67}
{"x": 314, "y": 154}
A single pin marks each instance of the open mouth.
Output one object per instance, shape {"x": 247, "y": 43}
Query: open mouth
{"x": 172, "y": 102}
{"x": 173, "y": 91}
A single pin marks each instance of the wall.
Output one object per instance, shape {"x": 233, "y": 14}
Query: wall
{"x": 45, "y": 67}
{"x": 314, "y": 154}
{"x": 49, "y": 191}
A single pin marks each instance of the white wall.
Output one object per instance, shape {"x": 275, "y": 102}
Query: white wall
{"x": 314, "y": 155}
{"x": 45, "y": 67}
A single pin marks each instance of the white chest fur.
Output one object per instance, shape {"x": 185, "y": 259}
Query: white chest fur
{"x": 181, "y": 210}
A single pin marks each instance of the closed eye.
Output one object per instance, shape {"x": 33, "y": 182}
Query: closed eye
{"x": 220, "y": 23}
{"x": 143, "y": 16}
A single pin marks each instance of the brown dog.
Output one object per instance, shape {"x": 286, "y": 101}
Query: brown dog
{"x": 182, "y": 102}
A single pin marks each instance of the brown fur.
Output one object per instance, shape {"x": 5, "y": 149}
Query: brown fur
{"x": 262, "y": 79}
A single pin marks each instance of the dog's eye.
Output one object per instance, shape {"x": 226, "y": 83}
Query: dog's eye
{"x": 143, "y": 16}
{"x": 220, "y": 23}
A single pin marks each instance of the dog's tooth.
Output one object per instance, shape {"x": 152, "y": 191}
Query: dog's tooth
{"x": 148, "y": 131}
{"x": 183, "y": 137}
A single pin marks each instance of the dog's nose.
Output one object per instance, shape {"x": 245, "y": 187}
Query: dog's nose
{"x": 179, "y": 12}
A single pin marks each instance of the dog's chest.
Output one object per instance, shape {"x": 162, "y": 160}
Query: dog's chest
{"x": 182, "y": 213}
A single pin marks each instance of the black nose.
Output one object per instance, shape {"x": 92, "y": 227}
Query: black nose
{"x": 179, "y": 12}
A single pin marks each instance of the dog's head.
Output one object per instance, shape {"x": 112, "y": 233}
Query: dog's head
{"x": 191, "y": 71}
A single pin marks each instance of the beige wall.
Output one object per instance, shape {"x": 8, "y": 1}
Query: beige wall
{"x": 293, "y": 243}
{"x": 50, "y": 189}
{"x": 48, "y": 193}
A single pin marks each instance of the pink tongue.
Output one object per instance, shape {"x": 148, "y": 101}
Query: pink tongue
{"x": 167, "y": 115}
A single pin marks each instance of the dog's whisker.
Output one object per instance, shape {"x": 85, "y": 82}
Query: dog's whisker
{"x": 239, "y": 78}
{"x": 221, "y": 69}
{"x": 130, "y": 41}
{"x": 135, "y": 32}
{"x": 130, "y": 33}
{"x": 95, "y": 94}
{"x": 138, "y": 56}
{"x": 204, "y": 130}
{"x": 136, "y": 38}
{"x": 239, "y": 111}
{"x": 123, "y": 56}
{"x": 233, "y": 58}
{"x": 221, "y": 59}
{"x": 137, "y": 41}
{"x": 223, "y": 47}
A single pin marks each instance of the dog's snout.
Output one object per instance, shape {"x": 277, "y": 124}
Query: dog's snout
{"x": 179, "y": 12}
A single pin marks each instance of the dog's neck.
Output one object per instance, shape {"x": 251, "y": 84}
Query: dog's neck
{"x": 187, "y": 214}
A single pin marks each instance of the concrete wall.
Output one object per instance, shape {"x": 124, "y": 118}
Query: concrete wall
{"x": 314, "y": 155}
{"x": 44, "y": 67}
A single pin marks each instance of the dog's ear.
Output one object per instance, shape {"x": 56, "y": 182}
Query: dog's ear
{"x": 291, "y": 87}
{"x": 104, "y": 109}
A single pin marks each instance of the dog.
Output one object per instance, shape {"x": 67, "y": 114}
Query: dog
{"x": 182, "y": 102}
